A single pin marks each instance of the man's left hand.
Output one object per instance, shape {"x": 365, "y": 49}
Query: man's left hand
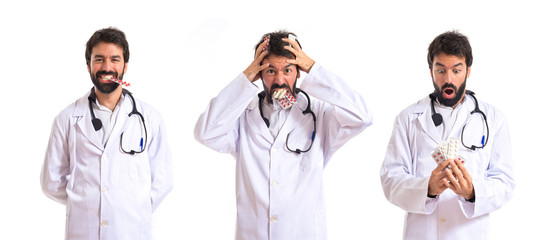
{"x": 302, "y": 60}
{"x": 459, "y": 180}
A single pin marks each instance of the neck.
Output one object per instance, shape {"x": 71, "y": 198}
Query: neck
{"x": 459, "y": 101}
{"x": 109, "y": 100}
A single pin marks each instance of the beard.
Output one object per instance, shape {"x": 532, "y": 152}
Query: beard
{"x": 450, "y": 102}
{"x": 106, "y": 87}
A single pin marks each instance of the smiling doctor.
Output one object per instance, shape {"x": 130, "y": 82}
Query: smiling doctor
{"x": 108, "y": 159}
{"x": 451, "y": 200}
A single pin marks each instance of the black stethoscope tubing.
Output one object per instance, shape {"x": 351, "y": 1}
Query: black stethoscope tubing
{"x": 96, "y": 122}
{"x": 438, "y": 119}
{"x": 263, "y": 94}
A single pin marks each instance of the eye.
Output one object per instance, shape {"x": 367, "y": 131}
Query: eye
{"x": 288, "y": 70}
{"x": 440, "y": 71}
{"x": 457, "y": 71}
{"x": 270, "y": 71}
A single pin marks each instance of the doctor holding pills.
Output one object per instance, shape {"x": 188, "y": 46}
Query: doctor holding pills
{"x": 448, "y": 163}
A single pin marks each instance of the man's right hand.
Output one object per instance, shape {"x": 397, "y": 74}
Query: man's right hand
{"x": 253, "y": 71}
{"x": 436, "y": 185}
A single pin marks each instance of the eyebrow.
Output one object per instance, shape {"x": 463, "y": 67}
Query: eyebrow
{"x": 456, "y": 65}
{"x": 101, "y": 56}
{"x": 271, "y": 65}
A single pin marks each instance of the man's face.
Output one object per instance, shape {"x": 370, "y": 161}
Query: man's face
{"x": 106, "y": 59}
{"x": 447, "y": 73}
{"x": 279, "y": 74}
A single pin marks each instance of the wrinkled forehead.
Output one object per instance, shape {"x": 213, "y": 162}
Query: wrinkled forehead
{"x": 277, "y": 62}
{"x": 449, "y": 61}
{"x": 106, "y": 48}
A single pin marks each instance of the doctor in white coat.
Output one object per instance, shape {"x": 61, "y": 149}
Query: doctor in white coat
{"x": 108, "y": 159}
{"x": 449, "y": 200}
{"x": 279, "y": 160}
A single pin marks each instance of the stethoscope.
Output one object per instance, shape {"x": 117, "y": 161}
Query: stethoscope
{"x": 96, "y": 122}
{"x": 308, "y": 110}
{"x": 438, "y": 119}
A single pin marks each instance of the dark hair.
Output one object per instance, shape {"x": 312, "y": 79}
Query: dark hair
{"x": 277, "y": 45}
{"x": 451, "y": 43}
{"x": 108, "y": 35}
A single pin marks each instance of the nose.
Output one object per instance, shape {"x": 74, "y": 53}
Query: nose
{"x": 448, "y": 77}
{"x": 279, "y": 78}
{"x": 106, "y": 66}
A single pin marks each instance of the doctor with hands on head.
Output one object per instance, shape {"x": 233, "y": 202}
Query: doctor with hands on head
{"x": 108, "y": 159}
{"x": 450, "y": 200}
{"x": 281, "y": 150}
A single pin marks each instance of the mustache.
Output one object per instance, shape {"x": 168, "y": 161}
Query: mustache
{"x": 448, "y": 85}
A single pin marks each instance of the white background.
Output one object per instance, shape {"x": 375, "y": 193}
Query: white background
{"x": 183, "y": 54}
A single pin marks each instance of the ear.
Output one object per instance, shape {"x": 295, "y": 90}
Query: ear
{"x": 125, "y": 67}
{"x": 469, "y": 70}
{"x": 298, "y": 75}
{"x": 88, "y": 67}
{"x": 431, "y": 73}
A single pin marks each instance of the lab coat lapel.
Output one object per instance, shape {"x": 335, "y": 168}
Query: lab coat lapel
{"x": 256, "y": 122}
{"x": 425, "y": 119}
{"x": 84, "y": 122}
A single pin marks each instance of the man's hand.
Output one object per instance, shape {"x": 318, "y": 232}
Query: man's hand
{"x": 460, "y": 180}
{"x": 438, "y": 180}
{"x": 253, "y": 71}
{"x": 302, "y": 60}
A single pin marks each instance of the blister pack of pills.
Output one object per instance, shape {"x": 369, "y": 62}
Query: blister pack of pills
{"x": 284, "y": 98}
{"x": 266, "y": 47}
{"x": 292, "y": 37}
{"x": 111, "y": 78}
{"x": 447, "y": 150}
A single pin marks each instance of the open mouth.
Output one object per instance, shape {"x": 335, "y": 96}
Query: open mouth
{"x": 279, "y": 93}
{"x": 448, "y": 93}
{"x": 107, "y": 78}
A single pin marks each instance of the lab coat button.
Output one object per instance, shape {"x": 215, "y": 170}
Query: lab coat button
{"x": 273, "y": 219}
{"x": 103, "y": 223}
{"x": 442, "y": 220}
{"x": 103, "y": 189}
{"x": 274, "y": 183}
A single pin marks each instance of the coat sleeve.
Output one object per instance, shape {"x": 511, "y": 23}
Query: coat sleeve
{"x": 347, "y": 115}
{"x": 55, "y": 172}
{"x": 160, "y": 163}
{"x": 496, "y": 188}
{"x": 401, "y": 187}
{"x": 217, "y": 127}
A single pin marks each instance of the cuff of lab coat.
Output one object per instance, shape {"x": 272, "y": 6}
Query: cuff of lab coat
{"x": 467, "y": 207}
{"x": 431, "y": 204}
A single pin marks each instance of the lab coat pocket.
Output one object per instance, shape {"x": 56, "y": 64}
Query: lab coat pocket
{"x": 138, "y": 167}
{"x": 476, "y": 161}
{"x": 301, "y": 136}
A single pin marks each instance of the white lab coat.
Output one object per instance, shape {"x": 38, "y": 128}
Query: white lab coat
{"x": 108, "y": 194}
{"x": 408, "y": 165}
{"x": 280, "y": 193}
